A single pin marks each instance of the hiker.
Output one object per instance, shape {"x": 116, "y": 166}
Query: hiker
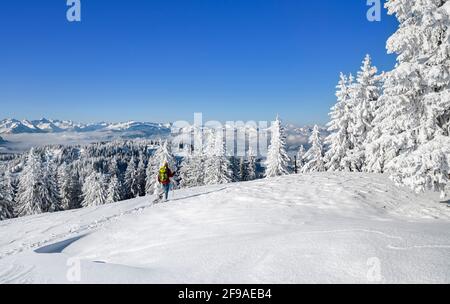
{"x": 164, "y": 179}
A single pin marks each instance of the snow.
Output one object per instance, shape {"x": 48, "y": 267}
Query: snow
{"x": 446, "y": 7}
{"x": 314, "y": 228}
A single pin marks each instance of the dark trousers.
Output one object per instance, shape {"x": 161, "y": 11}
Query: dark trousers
{"x": 166, "y": 189}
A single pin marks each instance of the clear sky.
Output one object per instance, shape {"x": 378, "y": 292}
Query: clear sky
{"x": 163, "y": 60}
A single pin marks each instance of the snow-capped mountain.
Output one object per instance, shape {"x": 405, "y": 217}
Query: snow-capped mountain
{"x": 14, "y": 126}
{"x": 137, "y": 126}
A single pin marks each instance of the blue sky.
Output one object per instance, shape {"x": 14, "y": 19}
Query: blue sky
{"x": 163, "y": 60}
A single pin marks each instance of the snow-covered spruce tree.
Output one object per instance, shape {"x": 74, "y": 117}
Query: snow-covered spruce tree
{"x": 75, "y": 188}
{"x": 64, "y": 186}
{"x": 141, "y": 175}
{"x": 300, "y": 159}
{"x": 426, "y": 168}
{"x": 151, "y": 181}
{"x": 131, "y": 183}
{"x": 340, "y": 140}
{"x": 351, "y": 119}
{"x": 235, "y": 167}
{"x": 277, "y": 162}
{"x": 115, "y": 171}
{"x": 186, "y": 179}
{"x": 415, "y": 105}
{"x": 315, "y": 156}
{"x": 243, "y": 170}
{"x": 6, "y": 210}
{"x": 51, "y": 183}
{"x": 217, "y": 165}
{"x": 32, "y": 189}
{"x": 113, "y": 167}
{"x": 94, "y": 190}
{"x": 162, "y": 154}
{"x": 113, "y": 190}
{"x": 251, "y": 164}
{"x": 8, "y": 187}
{"x": 191, "y": 171}
{"x": 364, "y": 102}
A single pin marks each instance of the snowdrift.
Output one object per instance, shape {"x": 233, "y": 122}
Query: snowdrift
{"x": 317, "y": 228}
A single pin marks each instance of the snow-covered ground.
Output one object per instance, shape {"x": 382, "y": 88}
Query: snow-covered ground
{"x": 319, "y": 228}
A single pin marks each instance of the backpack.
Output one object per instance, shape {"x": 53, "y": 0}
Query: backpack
{"x": 163, "y": 175}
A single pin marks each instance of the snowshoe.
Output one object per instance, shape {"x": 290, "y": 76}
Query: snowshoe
{"x": 159, "y": 199}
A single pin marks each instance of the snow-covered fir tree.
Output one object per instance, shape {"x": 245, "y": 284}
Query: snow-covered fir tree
{"x": 352, "y": 119}
{"x": 413, "y": 119}
{"x": 32, "y": 190}
{"x": 277, "y": 162}
{"x": 186, "y": 180}
{"x": 364, "y": 102}
{"x": 114, "y": 171}
{"x": 50, "y": 180}
{"x": 6, "y": 209}
{"x": 426, "y": 168}
{"x": 217, "y": 168}
{"x": 315, "y": 156}
{"x": 235, "y": 167}
{"x": 131, "y": 180}
{"x": 251, "y": 164}
{"x": 9, "y": 191}
{"x": 94, "y": 190}
{"x": 243, "y": 170}
{"x": 64, "y": 186}
{"x": 76, "y": 193}
{"x": 300, "y": 159}
{"x": 113, "y": 167}
{"x": 340, "y": 140}
{"x": 192, "y": 169}
{"x": 114, "y": 190}
{"x": 141, "y": 175}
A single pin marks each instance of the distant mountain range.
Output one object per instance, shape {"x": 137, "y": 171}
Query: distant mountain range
{"x": 14, "y": 126}
{"x": 21, "y": 135}
{"x": 297, "y": 136}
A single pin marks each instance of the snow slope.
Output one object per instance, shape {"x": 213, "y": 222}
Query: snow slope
{"x": 319, "y": 228}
